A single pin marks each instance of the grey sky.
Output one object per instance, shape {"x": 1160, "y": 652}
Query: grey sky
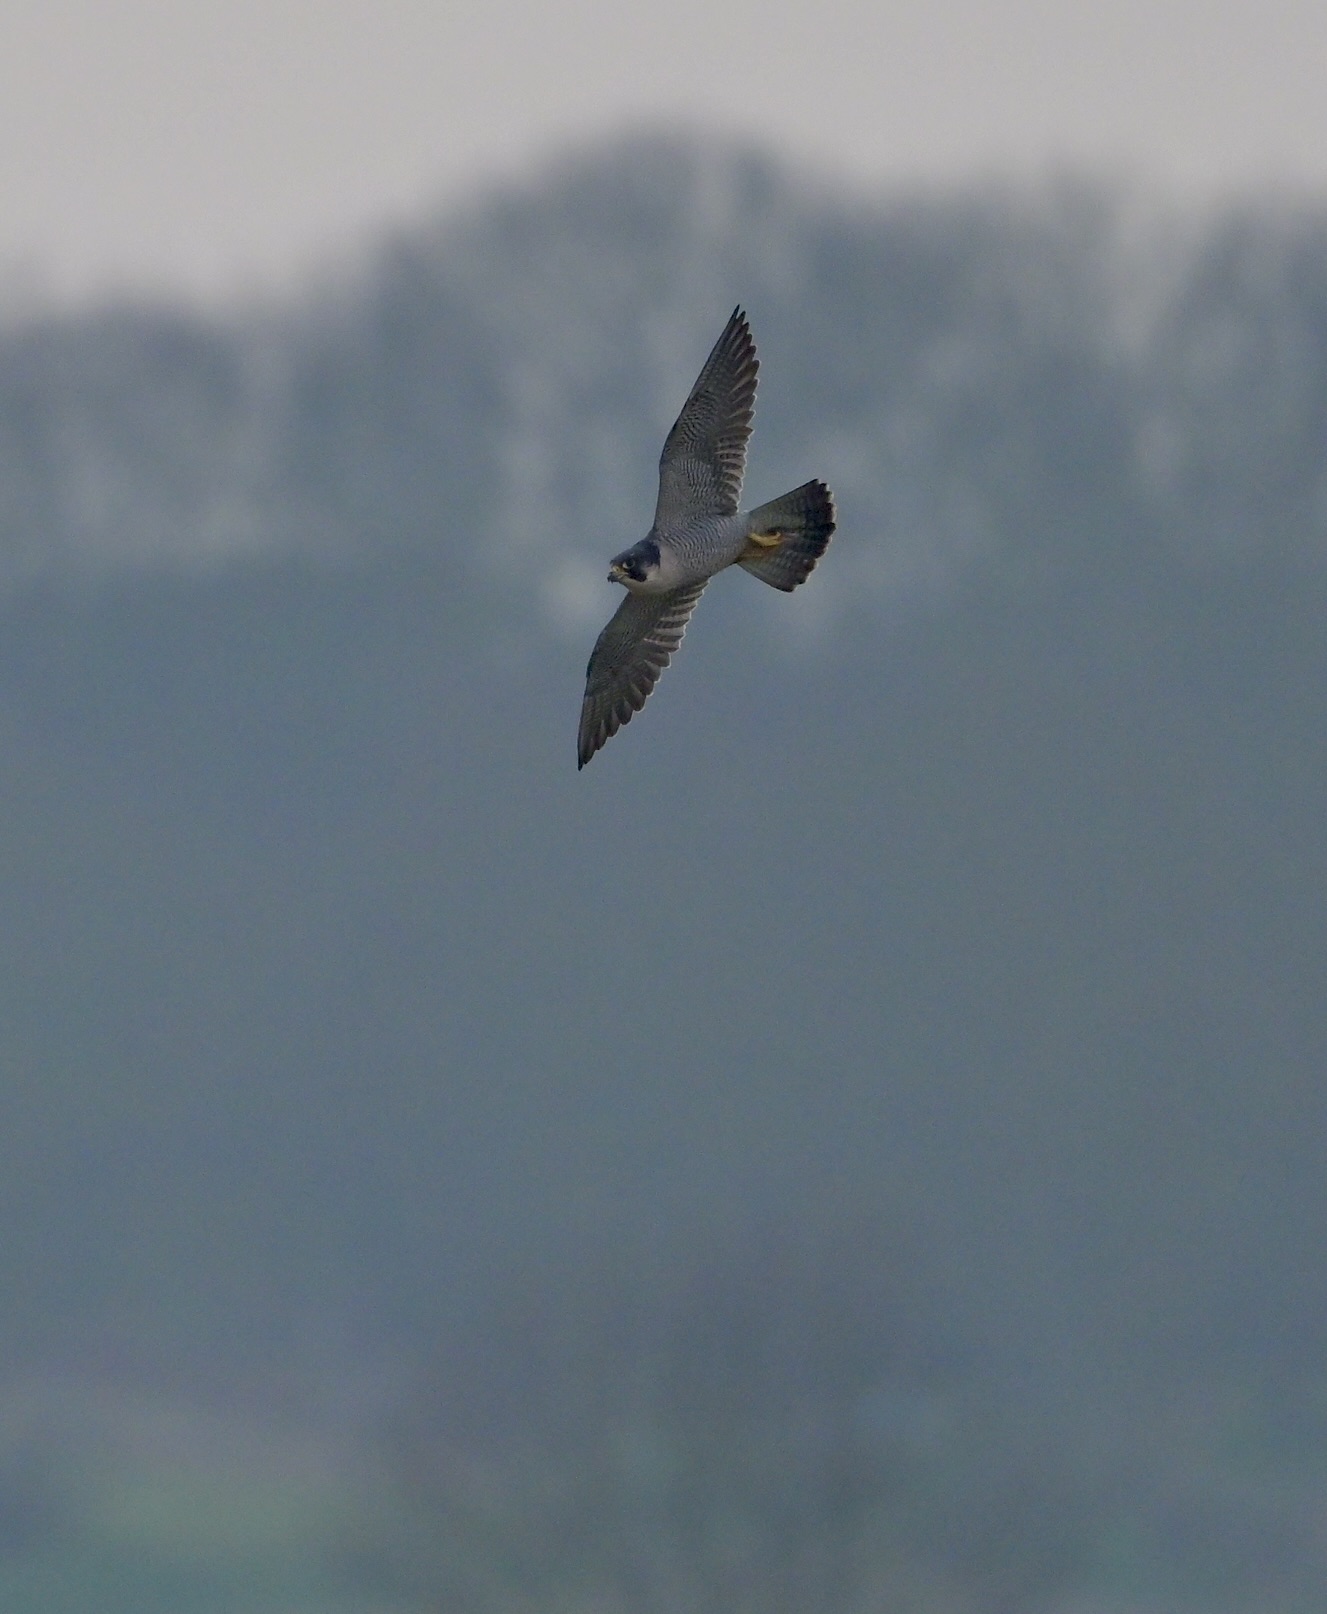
{"x": 206, "y": 145}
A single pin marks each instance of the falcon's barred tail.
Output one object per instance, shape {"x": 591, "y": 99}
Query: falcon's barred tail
{"x": 787, "y": 536}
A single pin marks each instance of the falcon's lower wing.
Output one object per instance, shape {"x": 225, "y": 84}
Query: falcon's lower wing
{"x": 631, "y": 652}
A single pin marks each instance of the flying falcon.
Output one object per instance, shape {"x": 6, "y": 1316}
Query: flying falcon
{"x": 698, "y": 530}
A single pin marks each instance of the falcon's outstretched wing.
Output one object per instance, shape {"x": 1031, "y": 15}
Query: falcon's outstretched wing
{"x": 700, "y": 470}
{"x": 628, "y": 657}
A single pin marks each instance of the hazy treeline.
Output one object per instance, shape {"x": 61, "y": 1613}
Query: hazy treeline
{"x": 1019, "y": 374}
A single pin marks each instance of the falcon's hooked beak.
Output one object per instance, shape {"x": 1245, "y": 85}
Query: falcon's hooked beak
{"x": 616, "y": 573}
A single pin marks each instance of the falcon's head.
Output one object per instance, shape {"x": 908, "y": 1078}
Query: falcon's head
{"x": 635, "y": 566}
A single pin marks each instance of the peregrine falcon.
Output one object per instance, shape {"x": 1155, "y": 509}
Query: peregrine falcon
{"x": 698, "y": 530}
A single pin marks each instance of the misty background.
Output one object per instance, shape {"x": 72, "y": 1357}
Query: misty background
{"x": 858, "y": 1145}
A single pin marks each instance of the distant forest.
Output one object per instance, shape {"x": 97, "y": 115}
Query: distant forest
{"x": 1039, "y": 380}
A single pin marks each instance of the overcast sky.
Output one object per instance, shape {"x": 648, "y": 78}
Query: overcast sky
{"x": 212, "y": 145}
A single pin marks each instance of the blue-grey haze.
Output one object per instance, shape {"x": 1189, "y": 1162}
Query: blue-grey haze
{"x": 980, "y": 901}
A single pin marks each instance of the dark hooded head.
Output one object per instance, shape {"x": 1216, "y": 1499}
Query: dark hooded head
{"x": 635, "y": 565}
